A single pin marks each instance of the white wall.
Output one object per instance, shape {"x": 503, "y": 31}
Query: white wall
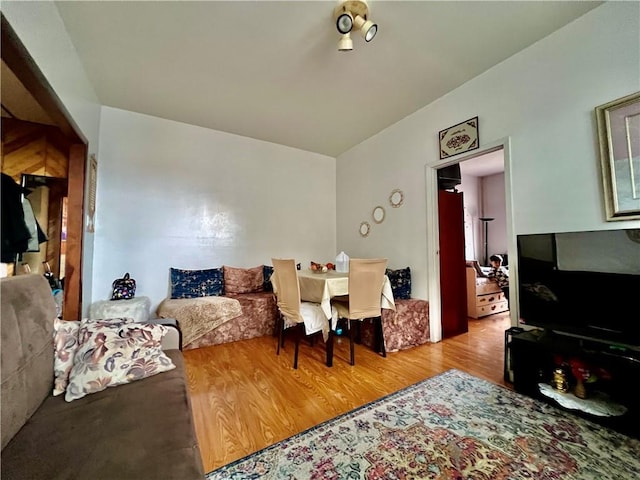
{"x": 543, "y": 98}
{"x": 493, "y": 206}
{"x": 484, "y": 197}
{"x": 176, "y": 195}
{"x": 473, "y": 234}
{"x": 41, "y": 30}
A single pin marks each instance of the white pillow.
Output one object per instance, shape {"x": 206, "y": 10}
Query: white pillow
{"x": 113, "y": 353}
{"x": 65, "y": 343}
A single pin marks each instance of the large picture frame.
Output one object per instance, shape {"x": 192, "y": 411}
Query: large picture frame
{"x": 618, "y": 124}
{"x": 460, "y": 138}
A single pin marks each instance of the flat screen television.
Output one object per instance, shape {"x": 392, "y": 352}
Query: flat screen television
{"x": 585, "y": 284}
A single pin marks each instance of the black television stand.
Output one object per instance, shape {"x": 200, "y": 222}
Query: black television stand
{"x": 536, "y": 354}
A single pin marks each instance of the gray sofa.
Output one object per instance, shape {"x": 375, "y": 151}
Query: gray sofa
{"x": 140, "y": 430}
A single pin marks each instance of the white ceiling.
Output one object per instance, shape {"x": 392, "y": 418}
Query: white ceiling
{"x": 272, "y": 71}
{"x": 483, "y": 165}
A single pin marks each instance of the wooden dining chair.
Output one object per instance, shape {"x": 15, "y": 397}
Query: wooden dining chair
{"x": 366, "y": 277}
{"x": 294, "y": 313}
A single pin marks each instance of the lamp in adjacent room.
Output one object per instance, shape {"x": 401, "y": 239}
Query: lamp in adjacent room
{"x": 349, "y": 14}
{"x": 485, "y": 221}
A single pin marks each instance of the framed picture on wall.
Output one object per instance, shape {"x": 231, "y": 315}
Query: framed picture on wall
{"x": 460, "y": 138}
{"x": 618, "y": 124}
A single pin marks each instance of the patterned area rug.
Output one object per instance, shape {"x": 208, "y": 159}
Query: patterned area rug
{"x": 451, "y": 426}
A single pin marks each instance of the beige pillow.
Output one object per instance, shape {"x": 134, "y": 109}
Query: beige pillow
{"x": 243, "y": 280}
{"x": 113, "y": 353}
{"x": 65, "y": 343}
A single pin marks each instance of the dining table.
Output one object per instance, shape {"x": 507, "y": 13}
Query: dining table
{"x": 321, "y": 287}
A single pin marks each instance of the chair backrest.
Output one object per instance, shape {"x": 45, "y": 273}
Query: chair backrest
{"x": 366, "y": 277}
{"x": 287, "y": 288}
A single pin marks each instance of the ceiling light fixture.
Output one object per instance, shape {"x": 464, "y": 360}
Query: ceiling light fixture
{"x": 344, "y": 22}
{"x": 345, "y": 43}
{"x": 367, "y": 28}
{"x": 349, "y": 14}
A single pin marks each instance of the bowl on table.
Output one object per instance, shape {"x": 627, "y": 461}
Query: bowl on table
{"x": 319, "y": 267}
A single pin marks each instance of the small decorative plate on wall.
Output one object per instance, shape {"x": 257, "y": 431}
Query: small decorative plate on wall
{"x": 365, "y": 228}
{"x": 378, "y": 214}
{"x": 396, "y": 198}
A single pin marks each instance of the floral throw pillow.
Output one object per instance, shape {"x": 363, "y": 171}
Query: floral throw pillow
{"x": 400, "y": 283}
{"x": 243, "y": 280}
{"x": 65, "y": 343}
{"x": 114, "y": 353}
{"x": 196, "y": 283}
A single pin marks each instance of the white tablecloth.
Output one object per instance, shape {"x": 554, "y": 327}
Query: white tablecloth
{"x": 322, "y": 287}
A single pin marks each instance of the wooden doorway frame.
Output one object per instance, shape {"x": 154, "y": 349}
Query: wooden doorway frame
{"x": 433, "y": 263}
{"x": 18, "y": 59}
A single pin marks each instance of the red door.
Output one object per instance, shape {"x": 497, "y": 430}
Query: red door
{"x": 453, "y": 282}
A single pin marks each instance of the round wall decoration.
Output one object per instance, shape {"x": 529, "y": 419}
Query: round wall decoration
{"x": 378, "y": 214}
{"x": 365, "y": 228}
{"x": 396, "y": 198}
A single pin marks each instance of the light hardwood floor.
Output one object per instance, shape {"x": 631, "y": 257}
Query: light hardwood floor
{"x": 245, "y": 397}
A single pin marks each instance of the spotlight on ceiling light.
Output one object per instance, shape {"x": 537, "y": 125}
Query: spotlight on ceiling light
{"x": 345, "y": 43}
{"x": 344, "y": 22}
{"x": 349, "y": 14}
{"x": 367, "y": 28}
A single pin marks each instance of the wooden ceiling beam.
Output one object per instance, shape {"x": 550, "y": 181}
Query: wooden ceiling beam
{"x": 18, "y": 59}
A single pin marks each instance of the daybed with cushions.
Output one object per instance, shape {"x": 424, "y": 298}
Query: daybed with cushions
{"x": 221, "y": 305}
{"x": 408, "y": 325}
{"x": 484, "y": 296}
{"x": 118, "y": 407}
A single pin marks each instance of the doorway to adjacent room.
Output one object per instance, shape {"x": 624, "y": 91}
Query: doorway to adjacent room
{"x": 484, "y": 185}
{"x": 33, "y": 114}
